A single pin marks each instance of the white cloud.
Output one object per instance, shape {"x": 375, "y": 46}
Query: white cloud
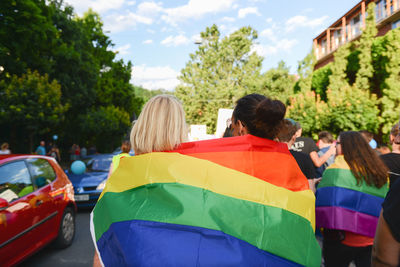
{"x": 123, "y": 50}
{"x": 196, "y": 9}
{"x": 283, "y": 45}
{"x": 304, "y": 21}
{"x": 116, "y": 22}
{"x": 269, "y": 33}
{"x": 243, "y": 12}
{"x": 149, "y": 8}
{"x": 268, "y": 20}
{"x": 148, "y": 41}
{"x": 175, "y": 40}
{"x": 100, "y": 6}
{"x": 131, "y": 3}
{"x": 161, "y": 77}
{"x": 228, "y": 19}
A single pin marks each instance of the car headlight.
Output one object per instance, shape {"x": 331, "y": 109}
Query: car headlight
{"x": 101, "y": 185}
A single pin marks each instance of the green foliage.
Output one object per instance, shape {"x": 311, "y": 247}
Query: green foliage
{"x": 277, "y": 83}
{"x": 31, "y": 104}
{"x": 305, "y": 71}
{"x": 338, "y": 78}
{"x": 366, "y": 70}
{"x": 111, "y": 121}
{"x": 310, "y": 111}
{"x": 352, "y": 108}
{"x": 391, "y": 86}
{"x": 47, "y": 36}
{"x": 320, "y": 80}
{"x": 218, "y": 73}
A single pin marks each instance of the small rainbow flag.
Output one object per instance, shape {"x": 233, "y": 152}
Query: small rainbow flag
{"x": 343, "y": 204}
{"x": 239, "y": 201}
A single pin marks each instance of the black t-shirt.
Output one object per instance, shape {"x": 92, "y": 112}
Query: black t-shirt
{"x": 305, "y": 145}
{"x": 391, "y": 210}
{"x": 392, "y": 161}
{"x": 305, "y": 163}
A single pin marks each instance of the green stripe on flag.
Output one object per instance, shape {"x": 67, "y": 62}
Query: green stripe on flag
{"x": 345, "y": 178}
{"x": 271, "y": 229}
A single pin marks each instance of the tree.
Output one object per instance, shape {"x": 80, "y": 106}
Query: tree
{"x": 27, "y": 36}
{"x": 31, "y": 104}
{"x": 366, "y": 71}
{"x": 391, "y": 87}
{"x": 307, "y": 108}
{"x": 352, "y": 108}
{"x": 277, "y": 83}
{"x": 305, "y": 71}
{"x": 110, "y": 121}
{"x": 320, "y": 80}
{"x": 338, "y": 78}
{"x": 219, "y": 73}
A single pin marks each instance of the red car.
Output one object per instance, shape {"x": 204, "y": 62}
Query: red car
{"x": 36, "y": 206}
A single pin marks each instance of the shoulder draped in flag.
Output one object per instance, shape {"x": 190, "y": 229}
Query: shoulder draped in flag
{"x": 239, "y": 201}
{"x": 344, "y": 204}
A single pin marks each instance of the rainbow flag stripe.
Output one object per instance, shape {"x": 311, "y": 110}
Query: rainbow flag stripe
{"x": 180, "y": 208}
{"x": 345, "y": 205}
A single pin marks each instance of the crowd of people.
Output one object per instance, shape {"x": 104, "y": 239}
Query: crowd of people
{"x": 348, "y": 170}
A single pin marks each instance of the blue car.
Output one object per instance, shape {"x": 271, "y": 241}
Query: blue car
{"x": 89, "y": 185}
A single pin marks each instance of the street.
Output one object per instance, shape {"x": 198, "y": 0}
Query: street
{"x": 80, "y": 253}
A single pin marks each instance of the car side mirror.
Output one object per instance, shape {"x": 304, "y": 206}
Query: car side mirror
{"x": 3, "y": 204}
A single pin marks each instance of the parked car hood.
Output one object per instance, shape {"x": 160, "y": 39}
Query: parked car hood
{"x": 87, "y": 179}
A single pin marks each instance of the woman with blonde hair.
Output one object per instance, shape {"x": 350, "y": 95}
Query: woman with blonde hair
{"x": 161, "y": 126}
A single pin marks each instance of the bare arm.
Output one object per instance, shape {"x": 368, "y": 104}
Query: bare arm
{"x": 318, "y": 161}
{"x": 96, "y": 260}
{"x": 386, "y": 250}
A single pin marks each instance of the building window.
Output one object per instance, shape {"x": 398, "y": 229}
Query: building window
{"x": 337, "y": 38}
{"x": 323, "y": 47}
{"x": 380, "y": 10}
{"x": 396, "y": 24}
{"x": 355, "y": 26}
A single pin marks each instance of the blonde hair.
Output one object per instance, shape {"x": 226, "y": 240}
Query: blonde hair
{"x": 161, "y": 125}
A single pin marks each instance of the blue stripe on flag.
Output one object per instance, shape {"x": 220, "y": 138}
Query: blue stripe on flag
{"x": 146, "y": 243}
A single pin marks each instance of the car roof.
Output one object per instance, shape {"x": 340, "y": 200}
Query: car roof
{"x": 11, "y": 157}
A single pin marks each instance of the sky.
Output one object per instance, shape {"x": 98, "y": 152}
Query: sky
{"x": 158, "y": 36}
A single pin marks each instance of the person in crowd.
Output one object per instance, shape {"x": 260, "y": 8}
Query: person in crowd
{"x": 370, "y": 139}
{"x": 83, "y": 152}
{"x": 77, "y": 152}
{"x": 383, "y": 149}
{"x": 248, "y": 116}
{"x": 392, "y": 160}
{"x": 307, "y": 145}
{"x": 386, "y": 248}
{"x": 5, "y": 149}
{"x": 161, "y": 126}
{"x": 41, "y": 149}
{"x": 356, "y": 179}
{"x": 125, "y": 149}
{"x": 228, "y": 129}
{"x": 55, "y": 153}
{"x": 325, "y": 141}
{"x": 288, "y": 135}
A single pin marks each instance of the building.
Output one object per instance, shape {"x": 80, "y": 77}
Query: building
{"x": 349, "y": 27}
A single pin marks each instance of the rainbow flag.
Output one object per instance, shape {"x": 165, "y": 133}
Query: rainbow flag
{"x": 239, "y": 201}
{"x": 345, "y": 205}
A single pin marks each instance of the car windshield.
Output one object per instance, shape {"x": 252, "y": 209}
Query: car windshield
{"x": 101, "y": 163}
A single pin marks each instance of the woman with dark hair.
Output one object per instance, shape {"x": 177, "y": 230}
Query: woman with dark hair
{"x": 348, "y": 201}
{"x": 259, "y": 116}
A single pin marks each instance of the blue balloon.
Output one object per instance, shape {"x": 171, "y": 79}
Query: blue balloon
{"x": 78, "y": 167}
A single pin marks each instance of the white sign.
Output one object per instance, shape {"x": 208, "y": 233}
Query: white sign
{"x": 224, "y": 116}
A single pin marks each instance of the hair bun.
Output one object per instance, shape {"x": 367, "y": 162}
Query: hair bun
{"x": 270, "y": 113}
